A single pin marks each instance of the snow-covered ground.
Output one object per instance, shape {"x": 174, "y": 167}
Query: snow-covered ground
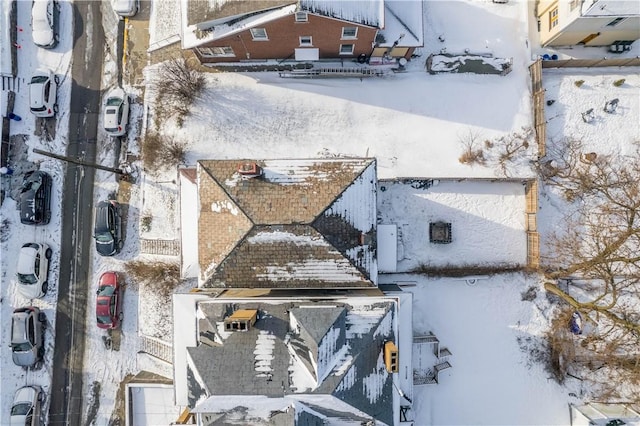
{"x": 413, "y": 124}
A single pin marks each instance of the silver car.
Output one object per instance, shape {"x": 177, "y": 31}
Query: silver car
{"x": 27, "y": 336}
{"x": 26, "y": 408}
{"x": 33, "y": 270}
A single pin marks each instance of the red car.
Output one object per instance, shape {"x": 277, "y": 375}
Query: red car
{"x": 108, "y": 313}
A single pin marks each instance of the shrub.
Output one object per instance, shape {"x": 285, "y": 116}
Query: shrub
{"x": 159, "y": 151}
{"x": 179, "y": 85}
{"x": 619, "y": 83}
{"x": 472, "y": 153}
{"x": 161, "y": 277}
{"x": 579, "y": 83}
{"x": 145, "y": 222}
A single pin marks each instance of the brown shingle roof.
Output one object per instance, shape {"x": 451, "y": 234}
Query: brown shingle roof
{"x": 265, "y": 232}
{"x": 202, "y": 10}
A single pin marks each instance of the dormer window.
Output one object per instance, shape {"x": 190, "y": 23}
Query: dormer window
{"x": 241, "y": 320}
{"x": 302, "y": 17}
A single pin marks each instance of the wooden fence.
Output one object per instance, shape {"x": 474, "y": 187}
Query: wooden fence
{"x": 531, "y": 212}
{"x": 539, "y": 122}
{"x": 590, "y": 63}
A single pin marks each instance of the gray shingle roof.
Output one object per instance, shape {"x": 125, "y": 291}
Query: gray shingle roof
{"x": 263, "y": 360}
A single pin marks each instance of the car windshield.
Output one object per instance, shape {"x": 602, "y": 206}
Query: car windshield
{"x": 31, "y": 185}
{"x": 103, "y": 319}
{"x": 21, "y": 347}
{"x": 20, "y": 409}
{"x": 113, "y": 102}
{"x": 39, "y": 79}
{"x": 106, "y": 290}
{"x": 104, "y": 237}
{"x": 27, "y": 278}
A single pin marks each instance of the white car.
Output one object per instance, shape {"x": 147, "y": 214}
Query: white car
{"x": 44, "y": 23}
{"x": 33, "y": 270}
{"x": 43, "y": 90}
{"x": 26, "y": 408}
{"x": 125, "y": 7}
{"x": 116, "y": 112}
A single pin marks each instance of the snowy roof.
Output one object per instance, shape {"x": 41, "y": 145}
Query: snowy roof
{"x": 206, "y": 21}
{"x": 6, "y": 27}
{"x": 219, "y": 26}
{"x": 259, "y": 410}
{"x": 403, "y": 23}
{"x": 369, "y": 13}
{"x": 325, "y": 349}
{"x": 611, "y": 8}
{"x": 301, "y": 224}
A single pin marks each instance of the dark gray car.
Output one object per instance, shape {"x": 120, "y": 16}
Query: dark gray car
{"x": 108, "y": 229}
{"x": 35, "y": 198}
{"x": 27, "y": 336}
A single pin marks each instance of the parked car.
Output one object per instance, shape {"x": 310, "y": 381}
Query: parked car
{"x": 27, "y": 336}
{"x": 108, "y": 229}
{"x": 108, "y": 301}
{"x": 116, "y": 112}
{"x": 33, "y": 269}
{"x": 44, "y": 23}
{"x": 35, "y": 198}
{"x": 43, "y": 90}
{"x": 125, "y": 7}
{"x": 26, "y": 408}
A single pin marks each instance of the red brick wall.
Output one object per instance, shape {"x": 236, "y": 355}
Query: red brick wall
{"x": 284, "y": 34}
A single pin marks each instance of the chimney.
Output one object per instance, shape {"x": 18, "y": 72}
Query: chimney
{"x": 249, "y": 170}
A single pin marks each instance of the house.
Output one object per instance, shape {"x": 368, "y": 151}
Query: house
{"x": 602, "y": 414}
{"x": 303, "y": 30}
{"x": 295, "y": 224}
{"x": 613, "y": 23}
{"x": 293, "y": 359}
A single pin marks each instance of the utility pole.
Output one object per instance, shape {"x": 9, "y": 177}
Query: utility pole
{"x": 82, "y": 163}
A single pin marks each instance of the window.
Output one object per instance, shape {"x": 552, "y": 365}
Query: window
{"x": 574, "y": 4}
{"x": 615, "y": 22}
{"x": 302, "y": 17}
{"x": 259, "y": 34}
{"x": 346, "y": 49}
{"x": 306, "y": 41}
{"x": 553, "y": 19}
{"x": 212, "y": 52}
{"x": 349, "y": 32}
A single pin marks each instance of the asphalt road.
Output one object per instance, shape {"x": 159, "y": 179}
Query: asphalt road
{"x": 66, "y": 405}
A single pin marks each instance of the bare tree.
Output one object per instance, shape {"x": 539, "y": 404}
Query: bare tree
{"x": 598, "y": 250}
{"x": 472, "y": 150}
{"x": 179, "y": 85}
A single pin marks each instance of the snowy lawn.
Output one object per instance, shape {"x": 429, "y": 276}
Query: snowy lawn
{"x": 487, "y": 221}
{"x": 496, "y": 377}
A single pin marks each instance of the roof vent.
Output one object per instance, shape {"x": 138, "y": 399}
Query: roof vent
{"x": 249, "y": 170}
{"x": 440, "y": 232}
{"x": 241, "y": 320}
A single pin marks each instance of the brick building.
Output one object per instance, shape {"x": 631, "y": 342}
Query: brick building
{"x": 304, "y": 30}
